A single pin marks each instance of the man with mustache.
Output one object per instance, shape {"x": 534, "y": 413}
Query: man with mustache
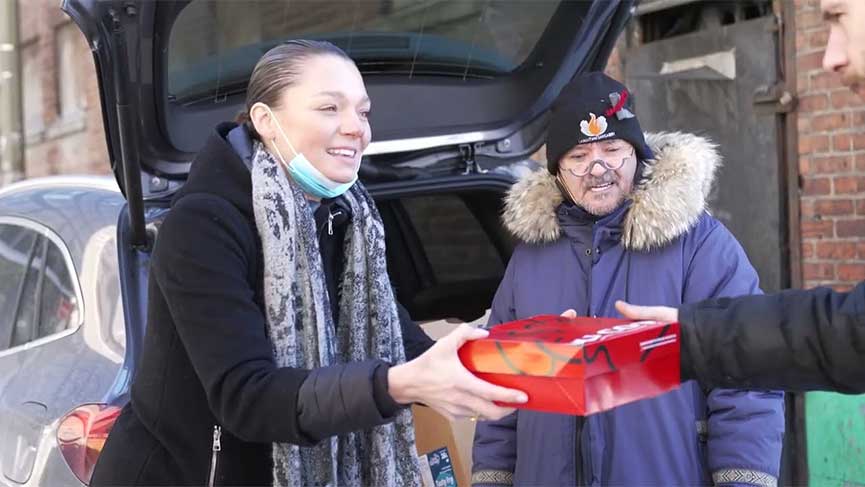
{"x": 619, "y": 216}
{"x": 793, "y": 340}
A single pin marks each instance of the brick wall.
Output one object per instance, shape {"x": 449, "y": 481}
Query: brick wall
{"x": 63, "y": 119}
{"x": 831, "y": 123}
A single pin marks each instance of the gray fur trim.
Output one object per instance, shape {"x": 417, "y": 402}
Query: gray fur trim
{"x": 666, "y": 204}
{"x": 301, "y": 328}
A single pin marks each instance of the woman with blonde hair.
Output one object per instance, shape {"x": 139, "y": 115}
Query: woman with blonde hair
{"x": 275, "y": 352}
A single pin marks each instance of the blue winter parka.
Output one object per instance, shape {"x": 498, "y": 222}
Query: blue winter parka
{"x": 661, "y": 247}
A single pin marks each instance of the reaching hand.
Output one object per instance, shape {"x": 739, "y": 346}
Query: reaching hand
{"x": 438, "y": 379}
{"x": 655, "y": 313}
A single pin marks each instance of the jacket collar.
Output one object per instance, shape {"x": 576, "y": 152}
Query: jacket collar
{"x": 665, "y": 204}
{"x": 578, "y": 224}
{"x": 217, "y": 169}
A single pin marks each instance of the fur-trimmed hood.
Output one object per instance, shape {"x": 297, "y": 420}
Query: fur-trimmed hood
{"x": 665, "y": 204}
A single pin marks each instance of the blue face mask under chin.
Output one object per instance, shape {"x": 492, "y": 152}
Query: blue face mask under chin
{"x": 310, "y": 179}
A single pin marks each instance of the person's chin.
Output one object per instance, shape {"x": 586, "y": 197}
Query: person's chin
{"x": 343, "y": 177}
{"x": 599, "y": 209}
{"x": 604, "y": 206}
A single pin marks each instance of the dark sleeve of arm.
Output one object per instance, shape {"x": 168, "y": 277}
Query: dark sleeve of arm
{"x": 416, "y": 341}
{"x": 793, "y": 340}
{"x": 344, "y": 398}
{"x": 202, "y": 263}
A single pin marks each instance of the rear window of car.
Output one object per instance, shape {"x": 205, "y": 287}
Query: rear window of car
{"x": 446, "y": 253}
{"x": 454, "y": 242}
{"x": 17, "y": 244}
{"x": 38, "y": 297}
{"x": 214, "y": 45}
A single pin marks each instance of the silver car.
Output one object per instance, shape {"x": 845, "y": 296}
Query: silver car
{"x": 62, "y": 332}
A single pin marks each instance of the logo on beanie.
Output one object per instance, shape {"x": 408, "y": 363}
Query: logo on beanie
{"x": 595, "y": 126}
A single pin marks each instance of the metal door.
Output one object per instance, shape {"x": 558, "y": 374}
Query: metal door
{"x": 713, "y": 82}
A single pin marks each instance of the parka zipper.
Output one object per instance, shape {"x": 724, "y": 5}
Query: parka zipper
{"x": 578, "y": 447}
{"x": 214, "y": 454}
{"x": 583, "y": 458}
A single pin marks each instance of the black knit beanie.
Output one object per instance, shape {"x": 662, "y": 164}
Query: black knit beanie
{"x": 591, "y": 108}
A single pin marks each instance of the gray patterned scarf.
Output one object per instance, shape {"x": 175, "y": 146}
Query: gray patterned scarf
{"x": 302, "y": 331}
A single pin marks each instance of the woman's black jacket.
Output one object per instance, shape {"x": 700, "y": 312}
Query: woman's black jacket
{"x": 207, "y": 366}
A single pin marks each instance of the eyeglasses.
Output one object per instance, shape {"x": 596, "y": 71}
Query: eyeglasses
{"x": 580, "y": 169}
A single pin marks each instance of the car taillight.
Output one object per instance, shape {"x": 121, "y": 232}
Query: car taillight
{"x": 82, "y": 434}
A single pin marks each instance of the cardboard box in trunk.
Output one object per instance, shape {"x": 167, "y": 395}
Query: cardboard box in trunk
{"x": 445, "y": 447}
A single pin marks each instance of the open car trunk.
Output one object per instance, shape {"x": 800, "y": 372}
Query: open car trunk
{"x": 460, "y": 90}
{"x": 447, "y": 251}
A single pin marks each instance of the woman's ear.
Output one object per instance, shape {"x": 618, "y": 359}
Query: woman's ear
{"x": 262, "y": 120}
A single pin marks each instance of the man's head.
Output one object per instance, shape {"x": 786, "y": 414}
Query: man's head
{"x": 594, "y": 143}
{"x": 599, "y": 176}
{"x": 845, "y": 50}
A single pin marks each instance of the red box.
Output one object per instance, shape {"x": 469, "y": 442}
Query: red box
{"x": 578, "y": 366}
